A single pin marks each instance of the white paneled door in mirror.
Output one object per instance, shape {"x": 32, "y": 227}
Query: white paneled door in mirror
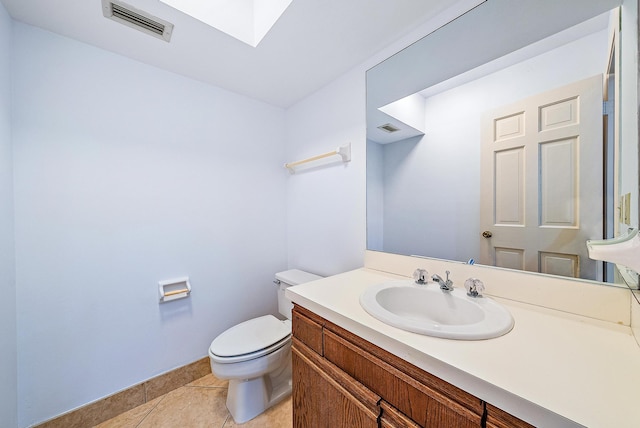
{"x": 542, "y": 181}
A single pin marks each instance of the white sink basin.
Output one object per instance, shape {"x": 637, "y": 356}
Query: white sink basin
{"x": 425, "y": 309}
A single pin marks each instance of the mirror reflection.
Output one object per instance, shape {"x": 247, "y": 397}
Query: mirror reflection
{"x": 514, "y": 151}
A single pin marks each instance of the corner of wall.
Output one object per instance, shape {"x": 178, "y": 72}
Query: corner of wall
{"x": 8, "y": 320}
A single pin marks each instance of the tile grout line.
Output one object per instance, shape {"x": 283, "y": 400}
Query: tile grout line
{"x": 226, "y": 420}
{"x": 151, "y": 410}
{"x": 205, "y": 387}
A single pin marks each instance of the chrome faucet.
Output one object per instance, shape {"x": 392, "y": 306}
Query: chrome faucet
{"x": 474, "y": 287}
{"x": 445, "y": 285}
{"x": 420, "y": 276}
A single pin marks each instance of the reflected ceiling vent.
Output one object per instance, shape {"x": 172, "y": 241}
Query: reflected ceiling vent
{"x": 138, "y": 19}
{"x": 387, "y": 127}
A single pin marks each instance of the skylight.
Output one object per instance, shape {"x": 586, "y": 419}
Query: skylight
{"x": 246, "y": 20}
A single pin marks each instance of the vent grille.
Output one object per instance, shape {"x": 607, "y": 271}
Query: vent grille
{"x": 387, "y": 127}
{"x": 136, "y": 19}
{"x": 131, "y": 17}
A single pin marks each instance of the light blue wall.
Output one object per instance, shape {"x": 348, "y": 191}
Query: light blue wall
{"x": 375, "y": 196}
{"x": 8, "y": 377}
{"x": 326, "y": 206}
{"x": 445, "y": 217}
{"x": 126, "y": 175}
{"x": 628, "y": 112}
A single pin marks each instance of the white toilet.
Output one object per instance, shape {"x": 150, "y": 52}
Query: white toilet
{"x": 255, "y": 356}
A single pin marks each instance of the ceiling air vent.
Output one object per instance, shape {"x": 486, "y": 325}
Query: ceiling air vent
{"x": 138, "y": 19}
{"x": 387, "y": 127}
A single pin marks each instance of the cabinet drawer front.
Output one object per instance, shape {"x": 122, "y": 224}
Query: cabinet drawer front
{"x": 425, "y": 405}
{"x": 324, "y": 397}
{"x": 306, "y": 329}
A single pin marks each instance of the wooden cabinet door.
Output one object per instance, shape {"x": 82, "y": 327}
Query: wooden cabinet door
{"x": 393, "y": 418}
{"x": 323, "y": 397}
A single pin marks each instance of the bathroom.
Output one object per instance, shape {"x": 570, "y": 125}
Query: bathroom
{"x": 120, "y": 175}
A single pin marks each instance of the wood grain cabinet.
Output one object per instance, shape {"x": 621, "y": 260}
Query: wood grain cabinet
{"x": 341, "y": 380}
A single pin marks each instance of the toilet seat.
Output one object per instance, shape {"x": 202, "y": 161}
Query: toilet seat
{"x": 250, "y": 339}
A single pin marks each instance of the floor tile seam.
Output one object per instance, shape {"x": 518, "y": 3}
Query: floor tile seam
{"x": 146, "y": 415}
{"x": 224, "y": 424}
{"x": 205, "y": 387}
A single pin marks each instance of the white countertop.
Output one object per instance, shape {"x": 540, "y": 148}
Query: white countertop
{"x": 552, "y": 370}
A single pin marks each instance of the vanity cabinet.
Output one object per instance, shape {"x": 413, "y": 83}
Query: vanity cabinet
{"x": 340, "y": 379}
{"x": 328, "y": 396}
{"x": 497, "y": 418}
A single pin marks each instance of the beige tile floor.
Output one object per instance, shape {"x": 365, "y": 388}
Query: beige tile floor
{"x": 198, "y": 404}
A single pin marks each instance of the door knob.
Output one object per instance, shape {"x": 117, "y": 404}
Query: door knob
{"x": 487, "y": 234}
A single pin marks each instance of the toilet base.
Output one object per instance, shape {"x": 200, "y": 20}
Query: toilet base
{"x": 247, "y": 398}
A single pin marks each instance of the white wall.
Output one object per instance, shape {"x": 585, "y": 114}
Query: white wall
{"x": 103, "y": 214}
{"x": 442, "y": 221}
{"x": 126, "y": 175}
{"x": 190, "y": 182}
{"x": 326, "y": 206}
{"x": 375, "y": 196}
{"x": 629, "y": 117}
{"x": 8, "y": 347}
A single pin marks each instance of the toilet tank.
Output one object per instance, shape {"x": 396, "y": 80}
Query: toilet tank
{"x": 286, "y": 279}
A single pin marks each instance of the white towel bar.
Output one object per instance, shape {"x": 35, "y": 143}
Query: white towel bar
{"x": 342, "y": 151}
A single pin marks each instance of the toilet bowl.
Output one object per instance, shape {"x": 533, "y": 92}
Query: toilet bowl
{"x": 255, "y": 356}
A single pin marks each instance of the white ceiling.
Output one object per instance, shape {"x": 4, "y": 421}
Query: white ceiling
{"x": 313, "y": 42}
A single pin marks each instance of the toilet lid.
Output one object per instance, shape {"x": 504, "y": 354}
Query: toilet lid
{"x": 250, "y": 336}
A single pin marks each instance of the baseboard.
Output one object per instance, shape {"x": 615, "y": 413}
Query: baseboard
{"x": 125, "y": 400}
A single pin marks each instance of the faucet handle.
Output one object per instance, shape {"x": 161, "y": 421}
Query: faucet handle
{"x": 420, "y": 276}
{"x": 474, "y": 287}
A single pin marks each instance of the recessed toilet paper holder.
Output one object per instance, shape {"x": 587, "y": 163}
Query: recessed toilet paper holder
{"x": 173, "y": 289}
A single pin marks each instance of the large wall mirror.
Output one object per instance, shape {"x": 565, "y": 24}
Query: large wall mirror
{"x": 509, "y": 136}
